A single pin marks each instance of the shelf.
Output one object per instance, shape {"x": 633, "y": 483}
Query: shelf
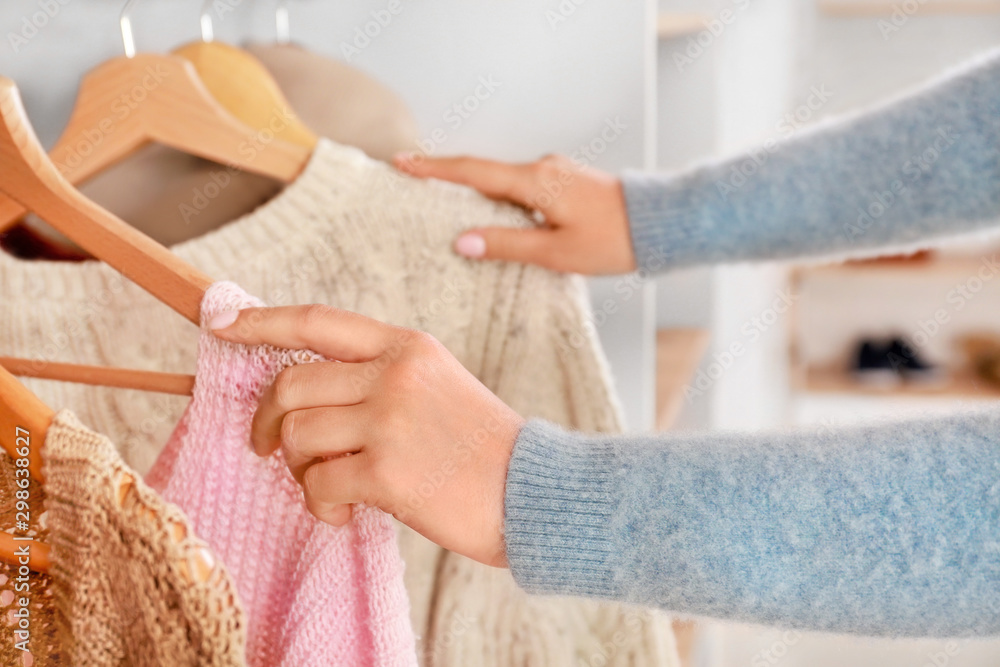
{"x": 837, "y": 381}
{"x": 953, "y": 264}
{"x": 669, "y": 25}
{"x": 858, "y": 9}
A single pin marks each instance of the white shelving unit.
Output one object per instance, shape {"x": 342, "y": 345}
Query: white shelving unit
{"x": 728, "y": 97}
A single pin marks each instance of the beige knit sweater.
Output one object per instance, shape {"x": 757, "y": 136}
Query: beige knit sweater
{"x": 353, "y": 233}
{"x": 129, "y": 584}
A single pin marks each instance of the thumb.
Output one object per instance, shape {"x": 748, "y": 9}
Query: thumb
{"x": 529, "y": 246}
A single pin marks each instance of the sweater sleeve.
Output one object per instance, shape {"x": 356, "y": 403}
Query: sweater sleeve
{"x": 918, "y": 169}
{"x": 889, "y": 529}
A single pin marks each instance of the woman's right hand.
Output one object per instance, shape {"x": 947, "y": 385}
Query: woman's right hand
{"x": 585, "y": 226}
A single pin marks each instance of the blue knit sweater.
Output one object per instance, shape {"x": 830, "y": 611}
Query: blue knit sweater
{"x": 889, "y": 529}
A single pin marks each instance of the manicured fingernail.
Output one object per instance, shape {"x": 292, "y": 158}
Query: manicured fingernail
{"x": 403, "y": 159}
{"x": 223, "y": 320}
{"x": 471, "y": 245}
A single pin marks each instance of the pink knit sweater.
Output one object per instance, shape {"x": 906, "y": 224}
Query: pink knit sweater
{"x": 313, "y": 594}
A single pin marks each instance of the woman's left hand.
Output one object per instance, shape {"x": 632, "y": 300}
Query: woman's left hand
{"x": 396, "y": 423}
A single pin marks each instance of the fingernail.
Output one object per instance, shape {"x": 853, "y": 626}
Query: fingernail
{"x": 403, "y": 159}
{"x": 471, "y": 245}
{"x": 223, "y": 320}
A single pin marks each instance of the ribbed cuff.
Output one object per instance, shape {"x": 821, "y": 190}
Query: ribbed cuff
{"x": 559, "y": 504}
{"x": 667, "y": 229}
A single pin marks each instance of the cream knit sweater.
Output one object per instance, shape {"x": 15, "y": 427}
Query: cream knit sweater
{"x": 353, "y": 233}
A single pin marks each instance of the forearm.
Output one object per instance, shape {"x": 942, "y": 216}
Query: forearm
{"x": 885, "y": 530}
{"x": 918, "y": 169}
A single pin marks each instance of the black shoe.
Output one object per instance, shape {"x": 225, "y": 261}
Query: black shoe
{"x": 904, "y": 359}
{"x": 872, "y": 365}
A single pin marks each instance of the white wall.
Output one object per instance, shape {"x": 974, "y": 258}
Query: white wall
{"x": 863, "y": 64}
{"x": 565, "y": 69}
{"x": 559, "y": 84}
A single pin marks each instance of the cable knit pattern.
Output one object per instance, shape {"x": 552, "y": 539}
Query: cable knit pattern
{"x": 356, "y": 234}
{"x": 131, "y": 583}
{"x": 314, "y": 594}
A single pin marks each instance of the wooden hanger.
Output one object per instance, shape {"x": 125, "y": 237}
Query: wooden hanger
{"x": 23, "y": 415}
{"x": 134, "y": 100}
{"x": 21, "y": 412}
{"x": 164, "y": 383}
{"x": 24, "y": 421}
{"x": 240, "y": 83}
{"x": 30, "y": 178}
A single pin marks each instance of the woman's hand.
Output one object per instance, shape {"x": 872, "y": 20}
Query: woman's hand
{"x": 586, "y": 223}
{"x": 396, "y": 423}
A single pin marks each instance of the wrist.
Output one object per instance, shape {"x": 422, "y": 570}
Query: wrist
{"x": 662, "y": 226}
{"x": 559, "y": 504}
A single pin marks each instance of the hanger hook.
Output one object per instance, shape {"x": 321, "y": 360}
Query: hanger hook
{"x": 128, "y": 39}
{"x": 207, "y": 30}
{"x": 281, "y": 22}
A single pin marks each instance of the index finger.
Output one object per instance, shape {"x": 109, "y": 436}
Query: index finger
{"x": 497, "y": 180}
{"x": 334, "y": 333}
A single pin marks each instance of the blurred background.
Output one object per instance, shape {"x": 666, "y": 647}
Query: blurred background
{"x": 632, "y": 84}
{"x": 821, "y": 341}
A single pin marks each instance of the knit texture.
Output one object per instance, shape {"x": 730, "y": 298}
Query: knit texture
{"x": 314, "y": 594}
{"x": 918, "y": 169}
{"x": 129, "y": 582}
{"x": 888, "y": 529}
{"x": 356, "y": 234}
{"x": 45, "y": 644}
